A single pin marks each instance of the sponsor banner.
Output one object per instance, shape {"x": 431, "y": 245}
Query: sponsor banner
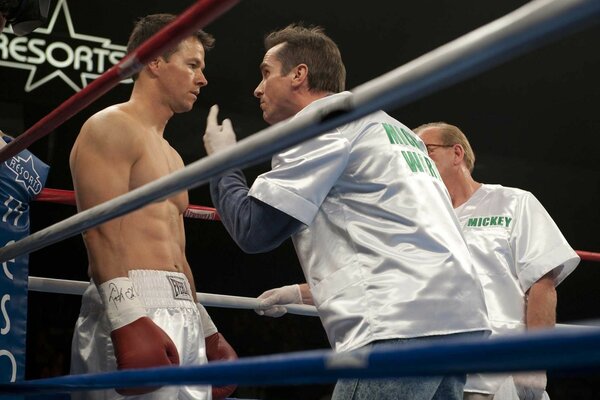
{"x": 59, "y": 51}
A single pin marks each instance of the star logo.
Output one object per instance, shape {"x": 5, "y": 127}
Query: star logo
{"x": 47, "y": 53}
{"x": 25, "y": 172}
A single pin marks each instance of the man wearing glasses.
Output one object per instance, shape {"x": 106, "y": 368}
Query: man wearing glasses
{"x": 518, "y": 251}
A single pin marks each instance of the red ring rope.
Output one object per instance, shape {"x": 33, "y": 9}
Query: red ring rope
{"x": 196, "y": 17}
{"x": 67, "y": 197}
{"x": 588, "y": 255}
{"x": 61, "y": 196}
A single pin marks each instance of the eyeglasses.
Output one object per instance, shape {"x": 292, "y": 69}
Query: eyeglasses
{"x": 432, "y": 147}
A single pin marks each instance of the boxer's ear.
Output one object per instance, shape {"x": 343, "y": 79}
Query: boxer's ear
{"x": 154, "y": 66}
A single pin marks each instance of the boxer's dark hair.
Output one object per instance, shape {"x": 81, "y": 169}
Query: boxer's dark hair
{"x": 147, "y": 26}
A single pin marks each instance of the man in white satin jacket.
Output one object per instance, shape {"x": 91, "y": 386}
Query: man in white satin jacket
{"x": 519, "y": 253}
{"x": 370, "y": 218}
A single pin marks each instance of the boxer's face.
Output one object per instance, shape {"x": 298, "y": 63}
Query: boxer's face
{"x": 275, "y": 89}
{"x": 182, "y": 76}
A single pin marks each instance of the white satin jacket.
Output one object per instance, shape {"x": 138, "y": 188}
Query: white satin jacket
{"x": 382, "y": 249}
{"x": 513, "y": 242}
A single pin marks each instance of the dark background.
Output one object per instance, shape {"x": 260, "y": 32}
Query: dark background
{"x": 533, "y": 122}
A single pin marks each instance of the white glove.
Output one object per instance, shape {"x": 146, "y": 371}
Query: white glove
{"x": 530, "y": 385}
{"x": 272, "y": 301}
{"x": 217, "y": 137}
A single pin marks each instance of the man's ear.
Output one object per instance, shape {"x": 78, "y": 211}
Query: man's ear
{"x": 153, "y": 66}
{"x": 459, "y": 154}
{"x": 299, "y": 75}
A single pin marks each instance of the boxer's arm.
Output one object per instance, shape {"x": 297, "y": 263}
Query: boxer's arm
{"x": 217, "y": 349}
{"x": 137, "y": 341}
{"x": 255, "y": 226}
{"x": 101, "y": 161}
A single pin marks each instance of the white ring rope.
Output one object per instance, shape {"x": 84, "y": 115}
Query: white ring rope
{"x": 51, "y": 285}
{"x": 62, "y": 286}
{"x": 472, "y": 53}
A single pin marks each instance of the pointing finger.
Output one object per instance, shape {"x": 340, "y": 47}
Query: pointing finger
{"x": 211, "y": 120}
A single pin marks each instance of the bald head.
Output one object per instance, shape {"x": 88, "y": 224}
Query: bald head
{"x": 447, "y": 135}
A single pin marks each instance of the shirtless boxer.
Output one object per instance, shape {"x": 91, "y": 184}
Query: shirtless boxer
{"x": 140, "y": 311}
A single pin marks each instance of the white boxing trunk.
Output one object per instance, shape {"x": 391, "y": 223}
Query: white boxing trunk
{"x": 168, "y": 300}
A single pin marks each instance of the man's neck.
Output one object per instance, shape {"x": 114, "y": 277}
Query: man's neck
{"x": 461, "y": 187}
{"x": 311, "y": 96}
{"x": 149, "y": 109}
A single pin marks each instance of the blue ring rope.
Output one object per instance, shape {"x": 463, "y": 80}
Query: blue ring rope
{"x": 545, "y": 350}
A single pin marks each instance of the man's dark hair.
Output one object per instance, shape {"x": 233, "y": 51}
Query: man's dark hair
{"x": 310, "y": 46}
{"x": 147, "y": 26}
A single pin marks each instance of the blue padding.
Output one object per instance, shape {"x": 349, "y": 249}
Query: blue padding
{"x": 547, "y": 350}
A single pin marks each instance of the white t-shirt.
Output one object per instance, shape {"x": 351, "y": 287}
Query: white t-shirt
{"x": 382, "y": 249}
{"x": 513, "y": 242}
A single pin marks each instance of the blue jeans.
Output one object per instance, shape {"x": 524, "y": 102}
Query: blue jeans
{"x": 409, "y": 388}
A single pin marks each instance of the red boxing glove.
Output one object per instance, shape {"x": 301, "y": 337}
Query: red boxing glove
{"x": 218, "y": 349}
{"x": 142, "y": 344}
